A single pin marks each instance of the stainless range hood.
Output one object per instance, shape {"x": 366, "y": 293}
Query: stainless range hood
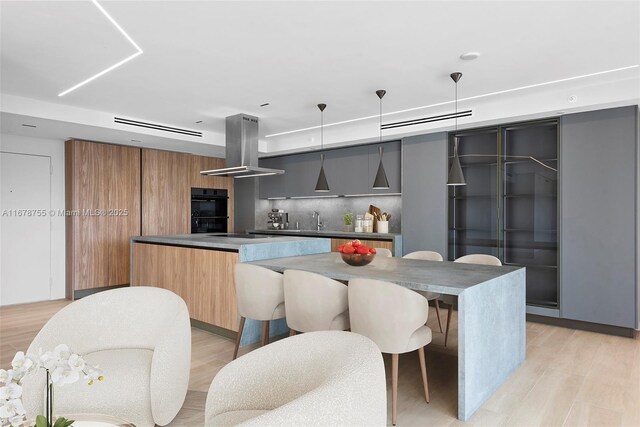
{"x": 242, "y": 149}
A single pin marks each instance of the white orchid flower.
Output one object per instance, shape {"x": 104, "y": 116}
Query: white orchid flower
{"x": 17, "y": 421}
{"x": 76, "y": 362}
{"x": 62, "y": 352}
{"x": 11, "y": 408}
{"x": 10, "y": 391}
{"x": 64, "y": 375}
{"x": 48, "y": 360}
{"x": 5, "y": 377}
{"x": 21, "y": 362}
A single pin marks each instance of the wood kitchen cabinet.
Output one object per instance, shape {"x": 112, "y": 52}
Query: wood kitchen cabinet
{"x": 167, "y": 179}
{"x": 103, "y": 212}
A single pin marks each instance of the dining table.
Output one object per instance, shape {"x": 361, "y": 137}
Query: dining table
{"x": 491, "y": 311}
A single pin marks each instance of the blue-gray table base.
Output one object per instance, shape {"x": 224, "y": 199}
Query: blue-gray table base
{"x": 491, "y": 338}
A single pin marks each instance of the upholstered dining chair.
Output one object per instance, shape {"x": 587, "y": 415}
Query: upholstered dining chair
{"x": 325, "y": 378}
{"x": 260, "y": 296}
{"x": 139, "y": 337}
{"x": 384, "y": 252}
{"x": 395, "y": 319}
{"x": 430, "y": 296}
{"x": 314, "y": 302}
{"x": 468, "y": 259}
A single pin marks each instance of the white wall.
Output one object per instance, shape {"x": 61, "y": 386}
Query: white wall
{"x": 54, "y": 149}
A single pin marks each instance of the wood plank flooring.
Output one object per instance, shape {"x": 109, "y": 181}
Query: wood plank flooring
{"x": 570, "y": 378}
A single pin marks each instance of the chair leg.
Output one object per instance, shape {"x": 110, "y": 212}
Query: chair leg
{"x": 438, "y": 314}
{"x": 292, "y": 332}
{"x": 265, "y": 332}
{"x": 235, "y": 351}
{"x": 394, "y": 387}
{"x": 423, "y": 368}
{"x": 446, "y": 334}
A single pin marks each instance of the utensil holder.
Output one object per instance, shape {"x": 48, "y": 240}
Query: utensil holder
{"x": 383, "y": 226}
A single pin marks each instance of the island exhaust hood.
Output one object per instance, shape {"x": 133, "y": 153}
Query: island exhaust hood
{"x": 242, "y": 150}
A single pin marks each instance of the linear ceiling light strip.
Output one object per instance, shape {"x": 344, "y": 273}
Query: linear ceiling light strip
{"x": 105, "y": 71}
{"x": 484, "y": 95}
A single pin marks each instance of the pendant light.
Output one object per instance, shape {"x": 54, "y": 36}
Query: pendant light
{"x": 380, "y": 183}
{"x": 456, "y": 177}
{"x": 322, "y": 186}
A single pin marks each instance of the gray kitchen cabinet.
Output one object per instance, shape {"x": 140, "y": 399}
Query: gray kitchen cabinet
{"x": 392, "y": 161}
{"x": 599, "y": 205}
{"x": 424, "y": 193}
{"x": 349, "y": 171}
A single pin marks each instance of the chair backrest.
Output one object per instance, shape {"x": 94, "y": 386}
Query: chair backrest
{"x": 479, "y": 259}
{"x": 386, "y": 313}
{"x": 383, "y": 252}
{"x": 258, "y": 291}
{"x": 132, "y": 317}
{"x": 312, "y": 301}
{"x": 324, "y": 372}
{"x": 424, "y": 255}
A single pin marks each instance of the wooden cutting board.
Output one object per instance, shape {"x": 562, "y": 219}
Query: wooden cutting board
{"x": 375, "y": 211}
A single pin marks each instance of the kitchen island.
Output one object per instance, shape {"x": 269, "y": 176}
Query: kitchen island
{"x": 491, "y": 311}
{"x": 199, "y": 268}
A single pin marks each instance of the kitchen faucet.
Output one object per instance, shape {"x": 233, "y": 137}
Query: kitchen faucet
{"x": 319, "y": 224}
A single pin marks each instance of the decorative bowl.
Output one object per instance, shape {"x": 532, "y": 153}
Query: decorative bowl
{"x": 357, "y": 260}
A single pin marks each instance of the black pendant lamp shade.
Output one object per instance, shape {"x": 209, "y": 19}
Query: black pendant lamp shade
{"x": 456, "y": 177}
{"x": 322, "y": 186}
{"x": 381, "y": 182}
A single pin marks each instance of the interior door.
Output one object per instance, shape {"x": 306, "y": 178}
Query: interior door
{"x": 25, "y": 251}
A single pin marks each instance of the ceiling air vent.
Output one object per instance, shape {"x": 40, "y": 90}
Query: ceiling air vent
{"x": 156, "y": 127}
{"x": 426, "y": 120}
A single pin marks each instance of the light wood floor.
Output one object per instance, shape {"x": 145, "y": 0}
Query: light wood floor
{"x": 570, "y": 377}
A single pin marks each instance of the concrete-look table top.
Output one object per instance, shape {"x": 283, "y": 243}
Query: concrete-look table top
{"x": 491, "y": 311}
{"x": 449, "y": 278}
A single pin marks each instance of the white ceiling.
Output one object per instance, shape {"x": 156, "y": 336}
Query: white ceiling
{"x": 205, "y": 60}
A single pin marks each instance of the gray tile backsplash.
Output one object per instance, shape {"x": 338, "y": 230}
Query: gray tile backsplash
{"x": 331, "y": 211}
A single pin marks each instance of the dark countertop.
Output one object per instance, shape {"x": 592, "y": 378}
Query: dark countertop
{"x": 258, "y": 247}
{"x": 329, "y": 233}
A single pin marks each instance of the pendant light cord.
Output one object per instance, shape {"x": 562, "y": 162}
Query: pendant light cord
{"x": 455, "y": 148}
{"x": 321, "y": 130}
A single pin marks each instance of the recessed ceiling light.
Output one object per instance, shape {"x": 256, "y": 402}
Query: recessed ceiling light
{"x": 470, "y": 56}
{"x": 105, "y": 71}
{"x": 560, "y": 113}
{"x": 264, "y": 105}
{"x": 572, "y": 98}
{"x": 28, "y": 126}
{"x": 135, "y": 140}
{"x": 199, "y": 121}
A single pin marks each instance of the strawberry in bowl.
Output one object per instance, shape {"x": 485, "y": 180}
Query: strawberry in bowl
{"x": 357, "y": 254}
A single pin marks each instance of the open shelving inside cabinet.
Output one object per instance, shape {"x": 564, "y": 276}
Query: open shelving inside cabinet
{"x": 513, "y": 217}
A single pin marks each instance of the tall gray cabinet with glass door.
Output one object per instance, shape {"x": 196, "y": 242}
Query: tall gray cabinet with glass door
{"x": 509, "y": 206}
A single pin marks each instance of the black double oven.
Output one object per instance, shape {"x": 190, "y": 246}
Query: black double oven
{"x": 209, "y": 210}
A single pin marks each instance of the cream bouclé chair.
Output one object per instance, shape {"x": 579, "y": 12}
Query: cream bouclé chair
{"x": 384, "y": 252}
{"x": 327, "y": 378}
{"x": 394, "y": 318}
{"x": 260, "y": 296}
{"x": 430, "y": 296}
{"x": 140, "y": 338}
{"x": 314, "y": 302}
{"x": 468, "y": 259}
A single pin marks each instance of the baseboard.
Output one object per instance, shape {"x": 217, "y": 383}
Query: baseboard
{"x": 86, "y": 292}
{"x": 584, "y": 326}
{"x": 214, "y": 329}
